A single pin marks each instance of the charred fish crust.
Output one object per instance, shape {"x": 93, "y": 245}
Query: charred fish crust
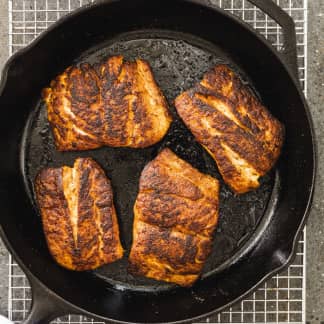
{"x": 227, "y": 118}
{"x": 176, "y": 211}
{"x": 116, "y": 103}
{"x": 78, "y": 216}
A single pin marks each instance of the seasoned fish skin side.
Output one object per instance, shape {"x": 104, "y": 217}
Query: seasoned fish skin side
{"x": 175, "y": 214}
{"x": 78, "y": 215}
{"x": 115, "y": 103}
{"x": 240, "y": 134}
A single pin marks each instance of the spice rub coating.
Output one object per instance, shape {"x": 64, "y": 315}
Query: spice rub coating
{"x": 78, "y": 215}
{"x": 227, "y": 118}
{"x": 115, "y": 103}
{"x": 176, "y": 212}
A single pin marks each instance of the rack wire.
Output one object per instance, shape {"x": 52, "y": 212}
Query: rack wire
{"x": 282, "y": 298}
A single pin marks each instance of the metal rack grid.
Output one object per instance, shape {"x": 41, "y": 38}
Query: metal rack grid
{"x": 279, "y": 300}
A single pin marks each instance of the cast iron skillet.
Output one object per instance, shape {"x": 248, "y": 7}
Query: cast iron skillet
{"x": 181, "y": 39}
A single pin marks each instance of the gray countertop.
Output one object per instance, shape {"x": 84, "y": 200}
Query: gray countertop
{"x": 315, "y": 224}
{"x": 3, "y": 252}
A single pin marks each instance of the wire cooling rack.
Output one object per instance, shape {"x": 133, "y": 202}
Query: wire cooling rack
{"x": 279, "y": 300}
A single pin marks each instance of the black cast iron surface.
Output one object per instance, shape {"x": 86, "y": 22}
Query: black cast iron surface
{"x": 176, "y": 65}
{"x": 255, "y": 237}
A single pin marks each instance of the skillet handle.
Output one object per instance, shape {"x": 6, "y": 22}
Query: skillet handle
{"x": 289, "y": 51}
{"x": 45, "y": 305}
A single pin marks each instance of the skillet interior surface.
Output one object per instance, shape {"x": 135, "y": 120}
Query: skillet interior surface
{"x": 178, "y": 61}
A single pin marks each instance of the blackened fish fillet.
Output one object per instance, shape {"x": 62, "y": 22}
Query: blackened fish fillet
{"x": 176, "y": 212}
{"x": 116, "y": 103}
{"x": 78, "y": 215}
{"x": 240, "y": 134}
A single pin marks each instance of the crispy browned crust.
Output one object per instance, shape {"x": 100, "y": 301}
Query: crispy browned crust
{"x": 78, "y": 215}
{"x": 116, "y": 103}
{"x": 176, "y": 212}
{"x": 241, "y": 135}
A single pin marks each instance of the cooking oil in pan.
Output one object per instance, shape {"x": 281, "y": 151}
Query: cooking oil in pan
{"x": 177, "y": 65}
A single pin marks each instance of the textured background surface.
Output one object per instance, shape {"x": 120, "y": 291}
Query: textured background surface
{"x": 315, "y": 239}
{"x": 3, "y": 252}
{"x": 315, "y": 224}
